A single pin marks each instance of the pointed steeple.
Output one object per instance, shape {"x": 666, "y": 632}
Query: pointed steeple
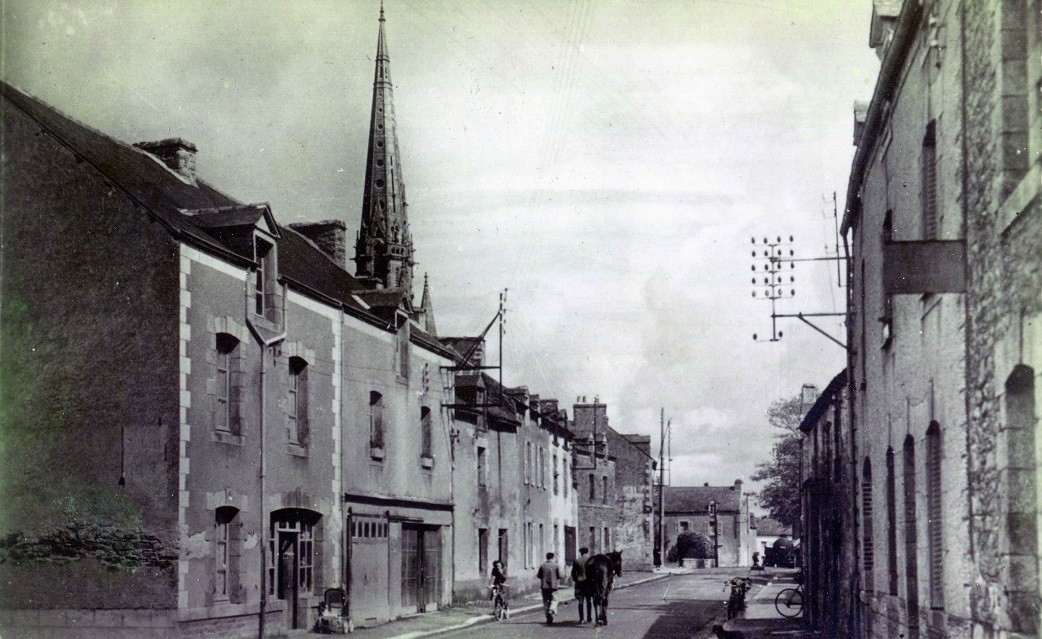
{"x": 383, "y": 248}
{"x": 427, "y": 308}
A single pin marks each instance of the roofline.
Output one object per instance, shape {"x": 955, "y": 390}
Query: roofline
{"x": 886, "y": 85}
{"x": 823, "y": 402}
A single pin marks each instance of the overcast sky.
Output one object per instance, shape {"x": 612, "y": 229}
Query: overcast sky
{"x": 607, "y": 160}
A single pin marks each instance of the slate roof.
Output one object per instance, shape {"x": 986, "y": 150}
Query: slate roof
{"x": 767, "y": 527}
{"x": 824, "y": 401}
{"x": 695, "y": 499}
{"x": 193, "y": 212}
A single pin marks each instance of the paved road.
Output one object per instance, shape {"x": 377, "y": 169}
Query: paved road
{"x": 680, "y": 607}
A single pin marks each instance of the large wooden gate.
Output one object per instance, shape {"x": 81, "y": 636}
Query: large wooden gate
{"x": 369, "y": 568}
{"x": 421, "y": 567}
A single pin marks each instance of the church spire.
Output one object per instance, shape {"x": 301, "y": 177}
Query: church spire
{"x": 427, "y": 308}
{"x": 383, "y": 248}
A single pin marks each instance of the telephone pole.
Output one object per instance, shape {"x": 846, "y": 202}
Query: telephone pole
{"x": 662, "y": 488}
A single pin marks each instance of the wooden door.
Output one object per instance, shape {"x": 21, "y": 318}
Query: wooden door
{"x": 369, "y": 578}
{"x": 431, "y": 567}
{"x": 411, "y": 567}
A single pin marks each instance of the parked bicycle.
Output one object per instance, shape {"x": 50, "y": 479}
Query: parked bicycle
{"x": 789, "y": 602}
{"x": 500, "y": 607}
{"x": 738, "y": 587}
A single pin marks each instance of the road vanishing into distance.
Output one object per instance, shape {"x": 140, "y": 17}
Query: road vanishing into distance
{"x": 677, "y": 607}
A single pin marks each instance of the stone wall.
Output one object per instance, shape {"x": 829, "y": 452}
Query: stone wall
{"x": 73, "y": 393}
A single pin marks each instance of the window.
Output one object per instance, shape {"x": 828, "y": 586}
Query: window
{"x": 483, "y": 551}
{"x": 376, "y": 420}
{"x": 542, "y": 543}
{"x": 528, "y": 463}
{"x": 264, "y": 279}
{"x": 868, "y": 545}
{"x": 891, "y": 522}
{"x": 929, "y": 182}
{"x": 684, "y": 526}
{"x": 1022, "y": 503}
{"x": 504, "y": 545}
{"x": 604, "y": 489}
{"x": 225, "y": 552}
{"x": 481, "y": 466}
{"x": 911, "y": 540}
{"x": 557, "y": 482}
{"x": 887, "y": 319}
{"x": 542, "y": 467}
{"x": 556, "y": 539}
{"x": 225, "y": 397}
{"x": 426, "y": 433}
{"x": 297, "y": 401}
{"x": 607, "y": 540}
{"x": 593, "y": 539}
{"x": 567, "y": 472}
{"x": 403, "y": 350}
{"x": 593, "y": 487}
{"x": 935, "y": 535}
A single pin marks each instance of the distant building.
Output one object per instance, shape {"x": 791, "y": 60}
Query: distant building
{"x": 613, "y": 476}
{"x": 767, "y": 532}
{"x": 690, "y": 509}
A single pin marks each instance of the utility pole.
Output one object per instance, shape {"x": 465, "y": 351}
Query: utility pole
{"x": 662, "y": 488}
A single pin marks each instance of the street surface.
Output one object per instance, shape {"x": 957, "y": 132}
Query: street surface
{"x": 682, "y": 606}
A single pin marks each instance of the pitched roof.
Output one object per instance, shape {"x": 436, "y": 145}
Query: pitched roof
{"x": 695, "y": 499}
{"x": 767, "y": 527}
{"x": 824, "y": 401}
{"x": 195, "y": 212}
{"x": 141, "y": 175}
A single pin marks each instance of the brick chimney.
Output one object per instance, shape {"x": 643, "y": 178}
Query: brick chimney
{"x": 328, "y": 235}
{"x": 177, "y": 154}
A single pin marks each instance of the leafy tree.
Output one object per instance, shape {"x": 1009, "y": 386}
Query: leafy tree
{"x": 781, "y": 472}
{"x": 691, "y": 545}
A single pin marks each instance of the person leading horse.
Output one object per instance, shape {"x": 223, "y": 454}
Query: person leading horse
{"x": 601, "y": 571}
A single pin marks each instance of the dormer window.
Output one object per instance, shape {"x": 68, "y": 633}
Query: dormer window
{"x": 265, "y": 297}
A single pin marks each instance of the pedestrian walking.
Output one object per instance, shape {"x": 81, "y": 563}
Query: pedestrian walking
{"x": 583, "y": 596}
{"x": 550, "y": 579}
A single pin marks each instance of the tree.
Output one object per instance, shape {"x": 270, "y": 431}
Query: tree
{"x": 781, "y": 473}
{"x": 691, "y": 545}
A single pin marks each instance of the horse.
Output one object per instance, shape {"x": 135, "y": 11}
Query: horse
{"x": 601, "y": 571}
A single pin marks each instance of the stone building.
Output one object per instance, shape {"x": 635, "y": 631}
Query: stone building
{"x": 227, "y": 422}
{"x": 945, "y": 236}
{"x": 613, "y": 475}
{"x": 690, "y": 508}
{"x": 511, "y": 452}
{"x": 213, "y": 439}
{"x": 826, "y": 506}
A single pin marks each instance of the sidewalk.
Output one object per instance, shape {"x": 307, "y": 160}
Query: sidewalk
{"x": 762, "y": 620}
{"x": 465, "y": 615}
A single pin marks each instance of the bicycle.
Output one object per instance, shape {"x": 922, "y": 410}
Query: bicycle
{"x": 500, "y": 607}
{"x": 789, "y": 601}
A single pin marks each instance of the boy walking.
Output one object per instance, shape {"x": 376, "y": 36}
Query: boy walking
{"x": 550, "y": 578}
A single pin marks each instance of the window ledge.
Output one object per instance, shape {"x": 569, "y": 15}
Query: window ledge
{"x": 376, "y": 453}
{"x": 297, "y": 450}
{"x": 226, "y": 437}
{"x": 427, "y": 462}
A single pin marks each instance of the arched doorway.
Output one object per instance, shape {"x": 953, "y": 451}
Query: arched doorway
{"x": 291, "y": 561}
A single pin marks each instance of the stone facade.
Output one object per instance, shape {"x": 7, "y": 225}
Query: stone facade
{"x": 687, "y": 509}
{"x": 614, "y": 475}
{"x": 944, "y": 356}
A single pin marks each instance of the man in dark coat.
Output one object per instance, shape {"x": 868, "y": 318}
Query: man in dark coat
{"x": 550, "y": 579}
{"x": 582, "y": 591}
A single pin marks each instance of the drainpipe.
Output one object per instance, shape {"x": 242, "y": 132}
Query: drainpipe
{"x": 265, "y": 345}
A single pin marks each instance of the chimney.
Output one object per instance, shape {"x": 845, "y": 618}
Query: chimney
{"x": 330, "y": 236}
{"x": 706, "y": 484}
{"x": 177, "y": 154}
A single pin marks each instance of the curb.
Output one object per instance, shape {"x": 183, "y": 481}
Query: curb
{"x": 473, "y": 621}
